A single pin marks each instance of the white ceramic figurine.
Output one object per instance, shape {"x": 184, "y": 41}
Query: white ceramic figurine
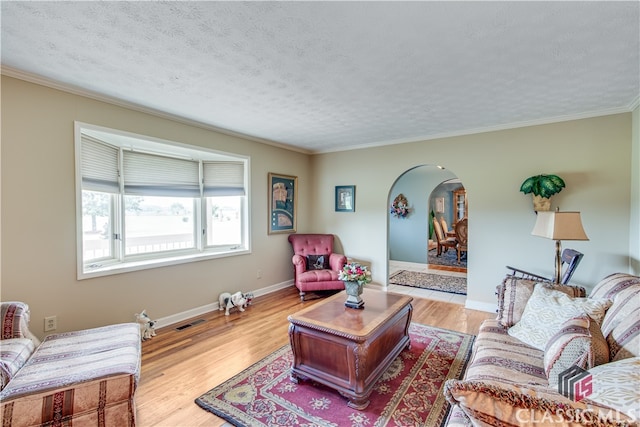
{"x": 147, "y": 329}
{"x": 228, "y": 301}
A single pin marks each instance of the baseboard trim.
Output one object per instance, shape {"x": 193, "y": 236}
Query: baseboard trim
{"x": 198, "y": 311}
{"x": 408, "y": 264}
{"x": 480, "y": 306}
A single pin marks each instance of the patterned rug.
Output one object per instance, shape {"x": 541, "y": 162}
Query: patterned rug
{"x": 409, "y": 393}
{"x": 449, "y": 257}
{"x": 435, "y": 282}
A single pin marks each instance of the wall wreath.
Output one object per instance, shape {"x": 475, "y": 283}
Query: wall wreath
{"x": 400, "y": 206}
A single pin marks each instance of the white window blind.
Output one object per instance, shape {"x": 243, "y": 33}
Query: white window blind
{"x": 99, "y": 166}
{"x": 224, "y": 179}
{"x": 149, "y": 174}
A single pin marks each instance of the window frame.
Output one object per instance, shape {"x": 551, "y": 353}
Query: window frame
{"x": 120, "y": 262}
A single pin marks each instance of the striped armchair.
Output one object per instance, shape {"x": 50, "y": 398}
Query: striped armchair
{"x": 86, "y": 377}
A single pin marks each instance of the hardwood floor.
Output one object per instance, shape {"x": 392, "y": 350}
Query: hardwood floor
{"x": 180, "y": 365}
{"x": 447, "y": 268}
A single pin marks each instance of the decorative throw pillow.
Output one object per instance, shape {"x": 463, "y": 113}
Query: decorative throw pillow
{"x": 514, "y": 292}
{"x": 624, "y": 340}
{"x": 621, "y": 325}
{"x": 613, "y": 284}
{"x": 548, "y": 309}
{"x": 493, "y": 403}
{"x": 317, "y": 262}
{"x": 615, "y": 385}
{"x": 579, "y": 342}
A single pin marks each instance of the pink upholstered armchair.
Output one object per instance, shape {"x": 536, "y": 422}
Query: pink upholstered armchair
{"x": 316, "y": 266}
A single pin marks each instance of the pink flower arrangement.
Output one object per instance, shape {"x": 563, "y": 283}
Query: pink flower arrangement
{"x": 354, "y": 272}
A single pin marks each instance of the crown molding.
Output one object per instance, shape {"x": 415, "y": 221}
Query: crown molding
{"x": 37, "y": 79}
{"x": 75, "y": 90}
{"x": 515, "y": 125}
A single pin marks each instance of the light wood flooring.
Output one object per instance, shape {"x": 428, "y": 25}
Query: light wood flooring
{"x": 179, "y": 366}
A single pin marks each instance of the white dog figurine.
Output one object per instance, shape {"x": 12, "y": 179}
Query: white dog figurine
{"x": 147, "y": 329}
{"x": 249, "y": 297}
{"x": 228, "y": 301}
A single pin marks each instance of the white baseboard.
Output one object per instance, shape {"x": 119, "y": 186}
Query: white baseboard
{"x": 407, "y": 264}
{"x": 481, "y": 306}
{"x": 198, "y": 311}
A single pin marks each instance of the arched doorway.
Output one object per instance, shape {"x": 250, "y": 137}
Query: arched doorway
{"x": 430, "y": 191}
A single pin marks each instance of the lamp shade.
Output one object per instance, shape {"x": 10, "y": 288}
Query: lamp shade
{"x": 559, "y": 226}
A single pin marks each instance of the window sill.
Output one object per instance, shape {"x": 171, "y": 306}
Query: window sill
{"x": 126, "y": 267}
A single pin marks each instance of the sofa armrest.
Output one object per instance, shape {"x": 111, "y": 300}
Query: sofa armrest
{"x": 15, "y": 316}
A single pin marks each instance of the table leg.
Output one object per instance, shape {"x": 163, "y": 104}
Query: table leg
{"x": 358, "y": 403}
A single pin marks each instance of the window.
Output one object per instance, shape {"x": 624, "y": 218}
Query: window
{"x": 144, "y": 202}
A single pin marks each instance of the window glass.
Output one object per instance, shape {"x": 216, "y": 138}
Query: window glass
{"x": 158, "y": 224}
{"x": 148, "y": 202}
{"x": 97, "y": 234}
{"x": 224, "y": 225}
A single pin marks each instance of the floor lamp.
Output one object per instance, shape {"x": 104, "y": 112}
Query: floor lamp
{"x": 559, "y": 226}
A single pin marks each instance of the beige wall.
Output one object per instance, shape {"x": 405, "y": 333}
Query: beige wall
{"x": 38, "y": 216}
{"x": 38, "y": 213}
{"x": 592, "y": 155}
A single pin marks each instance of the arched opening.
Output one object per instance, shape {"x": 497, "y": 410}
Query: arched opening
{"x": 414, "y": 265}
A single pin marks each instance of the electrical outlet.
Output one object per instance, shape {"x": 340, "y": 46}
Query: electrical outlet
{"x": 259, "y": 274}
{"x": 50, "y": 323}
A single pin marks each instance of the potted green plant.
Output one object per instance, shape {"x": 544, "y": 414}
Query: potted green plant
{"x": 542, "y": 187}
{"x": 431, "y": 216}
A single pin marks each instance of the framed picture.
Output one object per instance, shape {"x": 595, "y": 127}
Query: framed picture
{"x": 440, "y": 205}
{"x": 283, "y": 195}
{"x": 345, "y": 198}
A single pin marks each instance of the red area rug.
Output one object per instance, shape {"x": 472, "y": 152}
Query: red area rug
{"x": 409, "y": 393}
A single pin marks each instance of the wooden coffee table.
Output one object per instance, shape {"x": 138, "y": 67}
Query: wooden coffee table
{"x": 349, "y": 349}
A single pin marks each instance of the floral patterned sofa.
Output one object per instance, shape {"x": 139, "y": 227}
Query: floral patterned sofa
{"x": 86, "y": 377}
{"x": 541, "y": 331}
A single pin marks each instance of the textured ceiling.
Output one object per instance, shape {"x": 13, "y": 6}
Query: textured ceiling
{"x": 325, "y": 76}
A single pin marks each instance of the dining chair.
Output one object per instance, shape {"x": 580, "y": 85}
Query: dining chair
{"x": 570, "y": 260}
{"x": 461, "y": 237}
{"x": 441, "y": 240}
{"x": 445, "y": 228}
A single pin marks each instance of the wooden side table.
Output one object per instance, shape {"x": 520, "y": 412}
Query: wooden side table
{"x": 349, "y": 349}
